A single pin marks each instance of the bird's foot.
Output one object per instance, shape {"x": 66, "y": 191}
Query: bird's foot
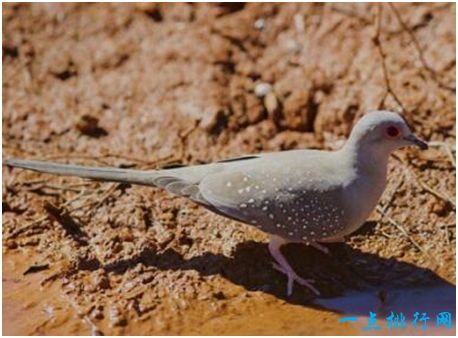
{"x": 293, "y": 277}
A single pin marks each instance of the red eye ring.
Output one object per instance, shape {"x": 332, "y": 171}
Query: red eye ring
{"x": 392, "y": 131}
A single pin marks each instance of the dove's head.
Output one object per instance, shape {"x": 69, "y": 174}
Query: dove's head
{"x": 383, "y": 132}
{"x": 375, "y": 136}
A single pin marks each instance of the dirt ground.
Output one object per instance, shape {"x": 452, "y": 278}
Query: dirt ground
{"x": 149, "y": 85}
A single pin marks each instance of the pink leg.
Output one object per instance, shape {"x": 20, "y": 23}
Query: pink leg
{"x": 320, "y": 247}
{"x": 283, "y": 266}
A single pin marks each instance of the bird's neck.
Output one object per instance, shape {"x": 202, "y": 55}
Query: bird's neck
{"x": 367, "y": 159}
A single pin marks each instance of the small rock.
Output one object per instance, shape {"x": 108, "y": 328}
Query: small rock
{"x": 262, "y": 89}
{"x": 260, "y": 24}
{"x": 299, "y": 23}
{"x": 441, "y": 208}
{"x": 11, "y": 244}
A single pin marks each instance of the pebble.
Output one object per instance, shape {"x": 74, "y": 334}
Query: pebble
{"x": 262, "y": 89}
{"x": 260, "y": 24}
{"x": 299, "y": 23}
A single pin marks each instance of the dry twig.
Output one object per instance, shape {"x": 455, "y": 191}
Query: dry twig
{"x": 387, "y": 204}
{"x": 40, "y": 219}
{"x": 406, "y": 234}
{"x": 350, "y": 13}
{"x": 377, "y": 41}
{"x": 441, "y": 195}
{"x": 97, "y": 202}
{"x": 447, "y": 147}
{"x": 446, "y": 234}
{"x": 421, "y": 55}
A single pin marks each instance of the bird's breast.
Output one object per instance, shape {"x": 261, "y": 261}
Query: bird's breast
{"x": 360, "y": 199}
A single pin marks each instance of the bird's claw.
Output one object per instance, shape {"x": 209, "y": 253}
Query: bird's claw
{"x": 293, "y": 277}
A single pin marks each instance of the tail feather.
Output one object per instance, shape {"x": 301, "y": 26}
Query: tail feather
{"x": 96, "y": 173}
{"x": 180, "y": 181}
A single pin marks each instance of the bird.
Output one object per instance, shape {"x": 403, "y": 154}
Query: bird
{"x": 295, "y": 196}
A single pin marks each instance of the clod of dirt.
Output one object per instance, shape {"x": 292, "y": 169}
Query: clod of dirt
{"x": 299, "y": 111}
{"x": 10, "y": 51}
{"x": 152, "y": 10}
{"x": 89, "y": 125}
{"x": 62, "y": 66}
{"x": 231, "y": 7}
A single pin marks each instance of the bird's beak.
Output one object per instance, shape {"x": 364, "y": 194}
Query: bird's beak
{"x": 416, "y": 141}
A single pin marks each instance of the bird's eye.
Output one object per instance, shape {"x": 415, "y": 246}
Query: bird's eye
{"x": 392, "y": 131}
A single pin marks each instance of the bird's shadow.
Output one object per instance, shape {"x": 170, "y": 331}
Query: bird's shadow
{"x": 343, "y": 270}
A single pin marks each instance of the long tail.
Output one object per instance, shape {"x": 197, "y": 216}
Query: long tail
{"x": 96, "y": 173}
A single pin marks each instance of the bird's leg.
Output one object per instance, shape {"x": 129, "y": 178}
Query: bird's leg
{"x": 320, "y": 247}
{"x": 283, "y": 266}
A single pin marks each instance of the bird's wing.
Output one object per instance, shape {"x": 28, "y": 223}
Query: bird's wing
{"x": 248, "y": 192}
{"x": 264, "y": 177}
{"x": 266, "y": 188}
{"x": 186, "y": 181}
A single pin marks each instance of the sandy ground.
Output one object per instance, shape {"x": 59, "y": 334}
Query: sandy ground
{"x": 149, "y": 85}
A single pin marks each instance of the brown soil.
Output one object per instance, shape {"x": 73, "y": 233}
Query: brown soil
{"x": 153, "y": 84}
